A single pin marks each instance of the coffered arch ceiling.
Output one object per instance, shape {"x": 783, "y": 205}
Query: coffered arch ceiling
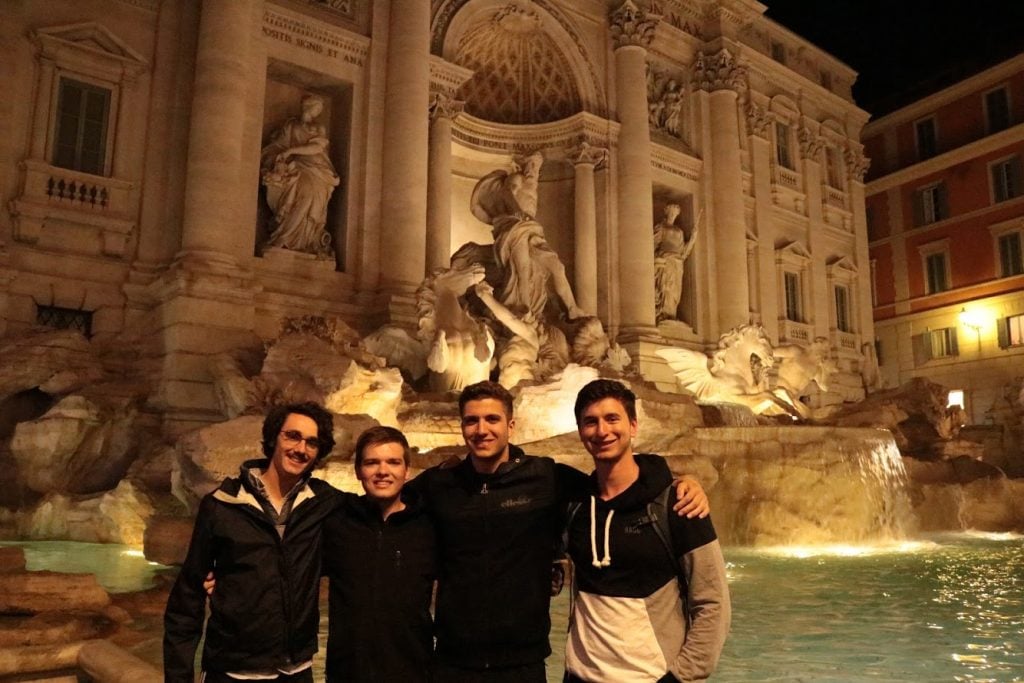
{"x": 529, "y": 67}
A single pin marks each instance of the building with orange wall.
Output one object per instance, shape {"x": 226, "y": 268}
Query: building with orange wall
{"x": 945, "y": 213}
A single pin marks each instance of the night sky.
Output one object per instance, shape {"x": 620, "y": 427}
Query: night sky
{"x": 906, "y": 49}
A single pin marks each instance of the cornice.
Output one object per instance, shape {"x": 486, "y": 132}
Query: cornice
{"x": 447, "y": 77}
{"x": 515, "y": 138}
{"x": 930, "y": 103}
{"x": 971, "y": 150}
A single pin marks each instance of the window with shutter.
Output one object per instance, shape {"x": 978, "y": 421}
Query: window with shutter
{"x": 1011, "y": 256}
{"x": 997, "y": 110}
{"x": 1006, "y": 179}
{"x": 924, "y": 131}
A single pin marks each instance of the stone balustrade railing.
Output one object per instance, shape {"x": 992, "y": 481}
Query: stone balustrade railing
{"x": 792, "y": 331}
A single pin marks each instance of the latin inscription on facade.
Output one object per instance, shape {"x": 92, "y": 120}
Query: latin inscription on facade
{"x": 330, "y": 44}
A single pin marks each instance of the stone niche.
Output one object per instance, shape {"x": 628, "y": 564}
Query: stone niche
{"x": 286, "y": 86}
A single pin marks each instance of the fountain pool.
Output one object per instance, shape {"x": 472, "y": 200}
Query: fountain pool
{"x": 946, "y": 607}
{"x": 118, "y": 568}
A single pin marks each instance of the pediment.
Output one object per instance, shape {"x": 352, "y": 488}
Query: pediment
{"x": 92, "y": 38}
{"x": 842, "y": 263}
{"x": 794, "y": 248}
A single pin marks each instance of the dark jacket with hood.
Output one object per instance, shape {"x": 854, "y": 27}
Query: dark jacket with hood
{"x": 497, "y": 537}
{"x": 264, "y": 613}
{"x": 640, "y": 613}
{"x": 381, "y": 581}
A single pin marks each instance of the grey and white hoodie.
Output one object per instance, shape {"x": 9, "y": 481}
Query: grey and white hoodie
{"x": 636, "y": 615}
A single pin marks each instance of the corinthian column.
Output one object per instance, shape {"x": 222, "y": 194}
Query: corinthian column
{"x": 210, "y": 224}
{"x": 439, "y": 182}
{"x": 632, "y": 30}
{"x": 585, "y": 158}
{"x": 406, "y": 102}
{"x": 721, "y": 78}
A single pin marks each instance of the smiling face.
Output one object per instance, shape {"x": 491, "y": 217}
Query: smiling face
{"x": 293, "y": 458}
{"x": 606, "y": 430}
{"x": 383, "y": 470}
{"x": 487, "y": 428}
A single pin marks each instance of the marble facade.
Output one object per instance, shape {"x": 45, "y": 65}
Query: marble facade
{"x": 162, "y": 241}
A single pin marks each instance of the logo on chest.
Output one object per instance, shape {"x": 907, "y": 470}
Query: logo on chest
{"x": 517, "y": 502}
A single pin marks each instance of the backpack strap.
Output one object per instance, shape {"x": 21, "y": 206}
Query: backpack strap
{"x": 658, "y": 511}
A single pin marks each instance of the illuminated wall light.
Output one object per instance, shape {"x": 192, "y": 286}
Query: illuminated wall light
{"x": 973, "y": 319}
{"x": 955, "y": 398}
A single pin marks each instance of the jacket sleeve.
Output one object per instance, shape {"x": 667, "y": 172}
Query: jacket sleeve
{"x": 709, "y": 613}
{"x": 186, "y": 606}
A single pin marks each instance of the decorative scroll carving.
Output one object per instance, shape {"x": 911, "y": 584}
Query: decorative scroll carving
{"x": 810, "y": 143}
{"x": 718, "y": 72}
{"x": 856, "y": 163}
{"x": 585, "y": 153}
{"x": 758, "y": 120}
{"x": 632, "y": 25}
{"x": 444, "y": 106}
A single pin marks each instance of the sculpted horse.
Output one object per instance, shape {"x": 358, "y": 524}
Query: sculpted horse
{"x": 798, "y": 366}
{"x": 735, "y": 373}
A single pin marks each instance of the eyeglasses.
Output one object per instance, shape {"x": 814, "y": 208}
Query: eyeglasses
{"x": 292, "y": 438}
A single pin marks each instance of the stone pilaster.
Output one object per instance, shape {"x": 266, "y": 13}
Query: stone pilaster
{"x": 632, "y": 30}
{"x": 766, "y": 302}
{"x": 585, "y": 159}
{"x": 819, "y": 294}
{"x": 205, "y": 301}
{"x": 443, "y": 108}
{"x": 857, "y": 166}
{"x": 405, "y": 153}
{"x": 722, "y": 79}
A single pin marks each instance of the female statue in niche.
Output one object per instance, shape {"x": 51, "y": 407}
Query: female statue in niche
{"x": 300, "y": 179}
{"x": 671, "y": 248}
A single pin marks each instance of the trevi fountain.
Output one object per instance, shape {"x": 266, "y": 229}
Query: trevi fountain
{"x": 591, "y": 195}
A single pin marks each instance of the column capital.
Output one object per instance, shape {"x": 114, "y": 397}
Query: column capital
{"x": 585, "y": 153}
{"x": 810, "y": 143}
{"x": 856, "y": 163}
{"x": 718, "y": 71}
{"x": 444, "y": 106}
{"x": 632, "y": 25}
{"x": 758, "y": 120}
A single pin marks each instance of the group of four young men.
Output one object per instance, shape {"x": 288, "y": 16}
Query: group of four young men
{"x": 651, "y": 600}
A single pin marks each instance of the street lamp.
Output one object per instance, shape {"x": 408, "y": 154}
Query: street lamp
{"x": 973, "y": 320}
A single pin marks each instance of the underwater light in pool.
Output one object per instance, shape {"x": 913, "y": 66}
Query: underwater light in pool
{"x": 845, "y": 550}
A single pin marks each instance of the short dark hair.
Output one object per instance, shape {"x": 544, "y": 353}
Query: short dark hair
{"x": 275, "y": 420}
{"x": 600, "y": 389}
{"x": 486, "y": 389}
{"x": 378, "y": 435}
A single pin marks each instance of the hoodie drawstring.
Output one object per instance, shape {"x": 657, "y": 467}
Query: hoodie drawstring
{"x": 607, "y": 560}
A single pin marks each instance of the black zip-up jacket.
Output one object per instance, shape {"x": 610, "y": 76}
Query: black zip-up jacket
{"x": 264, "y": 613}
{"x": 381, "y": 582}
{"x": 497, "y": 536}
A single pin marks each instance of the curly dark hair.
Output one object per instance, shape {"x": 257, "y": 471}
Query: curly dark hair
{"x": 324, "y": 426}
{"x": 600, "y": 389}
{"x": 486, "y": 389}
{"x": 375, "y": 436}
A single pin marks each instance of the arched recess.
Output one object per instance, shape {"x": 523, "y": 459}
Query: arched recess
{"x": 455, "y": 21}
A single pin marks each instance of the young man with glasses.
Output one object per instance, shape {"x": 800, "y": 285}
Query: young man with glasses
{"x": 261, "y": 534}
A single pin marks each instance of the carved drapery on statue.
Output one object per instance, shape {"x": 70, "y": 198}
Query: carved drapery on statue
{"x": 671, "y": 249}
{"x": 508, "y": 203}
{"x": 299, "y": 179}
{"x": 492, "y": 308}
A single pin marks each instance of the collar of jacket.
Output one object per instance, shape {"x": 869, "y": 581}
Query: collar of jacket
{"x": 237, "y": 492}
{"x": 367, "y": 508}
{"x": 516, "y": 457}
